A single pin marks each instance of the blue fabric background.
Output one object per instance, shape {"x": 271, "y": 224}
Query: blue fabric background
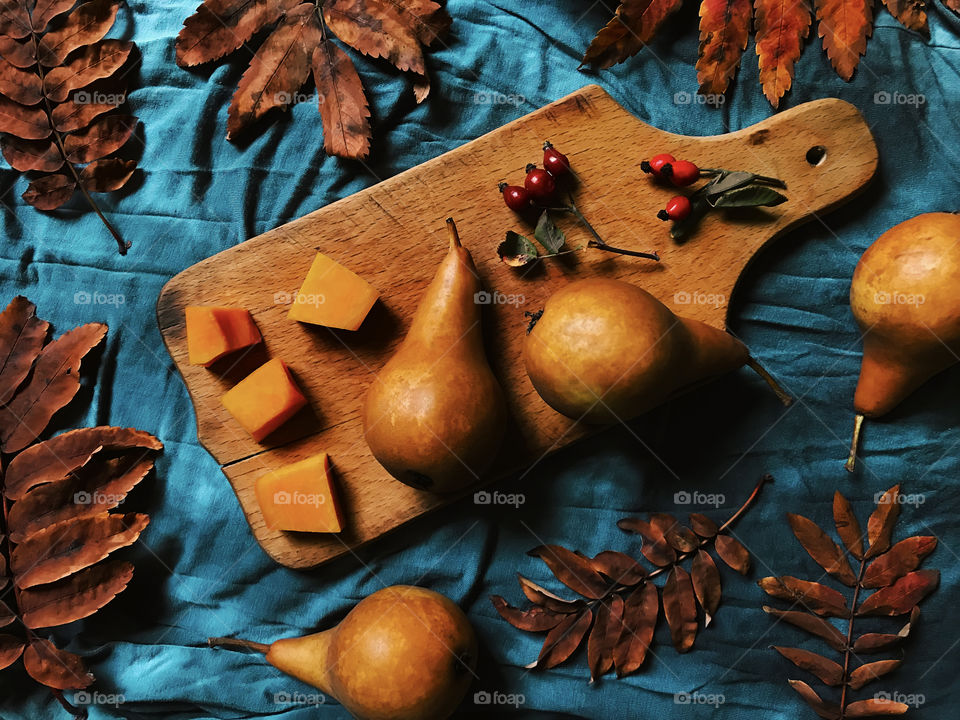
{"x": 200, "y": 573}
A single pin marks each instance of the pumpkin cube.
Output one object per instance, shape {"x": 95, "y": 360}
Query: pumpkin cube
{"x": 333, "y": 296}
{"x": 265, "y": 399}
{"x": 213, "y": 332}
{"x": 300, "y": 497}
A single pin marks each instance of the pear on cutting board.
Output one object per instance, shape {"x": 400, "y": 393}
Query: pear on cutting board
{"x": 905, "y": 297}
{"x": 605, "y": 350}
{"x": 435, "y": 415}
{"x": 402, "y": 653}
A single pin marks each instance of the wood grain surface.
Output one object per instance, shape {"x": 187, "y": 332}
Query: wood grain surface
{"x": 393, "y": 235}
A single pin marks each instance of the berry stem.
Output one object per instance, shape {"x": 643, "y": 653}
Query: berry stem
{"x": 778, "y": 390}
{"x": 599, "y": 242}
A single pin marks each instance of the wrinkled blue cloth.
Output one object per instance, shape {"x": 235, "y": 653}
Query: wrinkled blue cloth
{"x": 199, "y": 571}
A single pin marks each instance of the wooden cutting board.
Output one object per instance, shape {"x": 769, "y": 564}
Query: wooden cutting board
{"x": 393, "y": 235}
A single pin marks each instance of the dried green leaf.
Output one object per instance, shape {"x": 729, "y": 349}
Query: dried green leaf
{"x": 517, "y": 250}
{"x": 548, "y": 234}
{"x": 751, "y": 196}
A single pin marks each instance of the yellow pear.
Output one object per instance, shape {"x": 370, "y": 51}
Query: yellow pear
{"x": 402, "y": 653}
{"x": 605, "y": 350}
{"x": 435, "y": 415}
{"x": 905, "y": 299}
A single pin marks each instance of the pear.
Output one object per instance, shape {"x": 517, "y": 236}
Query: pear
{"x": 604, "y": 350}
{"x": 435, "y": 415}
{"x": 402, "y": 653}
{"x": 905, "y": 300}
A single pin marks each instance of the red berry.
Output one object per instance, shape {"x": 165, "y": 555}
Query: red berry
{"x": 656, "y": 163}
{"x": 681, "y": 173}
{"x": 539, "y": 183}
{"x": 554, "y": 161}
{"x": 516, "y": 197}
{"x": 677, "y": 208}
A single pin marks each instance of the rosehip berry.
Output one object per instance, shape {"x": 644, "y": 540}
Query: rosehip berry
{"x": 678, "y": 208}
{"x": 539, "y": 183}
{"x": 554, "y": 161}
{"x": 681, "y": 173}
{"x": 655, "y": 164}
{"x": 516, "y": 197}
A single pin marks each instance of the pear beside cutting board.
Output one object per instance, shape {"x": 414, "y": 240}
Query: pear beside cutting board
{"x": 392, "y": 234}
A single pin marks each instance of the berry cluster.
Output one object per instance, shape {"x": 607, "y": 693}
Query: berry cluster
{"x": 679, "y": 173}
{"x": 540, "y": 184}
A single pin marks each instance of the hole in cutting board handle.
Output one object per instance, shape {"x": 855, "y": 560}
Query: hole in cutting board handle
{"x": 816, "y": 155}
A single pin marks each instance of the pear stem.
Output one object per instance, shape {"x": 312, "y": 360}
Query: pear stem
{"x": 854, "y": 443}
{"x": 452, "y": 233}
{"x": 778, "y": 390}
{"x": 237, "y": 644}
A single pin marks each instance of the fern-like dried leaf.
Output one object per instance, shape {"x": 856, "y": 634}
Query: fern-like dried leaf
{"x": 909, "y": 13}
{"x": 22, "y": 335}
{"x": 724, "y": 30}
{"x": 343, "y": 105}
{"x": 221, "y": 26}
{"x": 84, "y": 26}
{"x": 781, "y": 28}
{"x": 76, "y": 597}
{"x": 844, "y": 27}
{"x": 633, "y": 26}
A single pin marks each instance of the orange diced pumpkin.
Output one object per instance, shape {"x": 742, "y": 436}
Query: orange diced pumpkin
{"x": 265, "y": 399}
{"x": 300, "y": 497}
{"x": 332, "y": 296}
{"x": 213, "y": 332}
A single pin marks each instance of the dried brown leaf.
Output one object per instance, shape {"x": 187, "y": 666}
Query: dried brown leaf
{"x": 107, "y": 175}
{"x": 733, "y": 553}
{"x": 94, "y": 62}
{"x": 572, "y": 570}
{"x": 825, "y": 552}
{"x": 26, "y": 155}
{"x": 901, "y": 597}
{"x": 910, "y": 13}
{"x": 221, "y": 26}
{"x": 428, "y": 20}
{"x": 847, "y": 526}
{"x": 640, "y": 612}
{"x": 535, "y": 619}
{"x": 703, "y": 526}
{"x": 781, "y": 27}
{"x": 845, "y": 26}
{"x": 14, "y": 19}
{"x": 680, "y": 609}
{"x": 875, "y": 707}
{"x": 543, "y": 597}
{"x": 73, "y": 545}
{"x": 655, "y": 547}
{"x": 724, "y": 30}
{"x": 871, "y": 671}
{"x": 881, "y": 522}
{"x": 55, "y": 668}
{"x": 20, "y": 53}
{"x": 84, "y": 26}
{"x": 72, "y": 114}
{"x": 618, "y": 567}
{"x": 706, "y": 584}
{"x": 603, "y": 638}
{"x": 76, "y": 597}
{"x": 11, "y": 648}
{"x": 881, "y": 642}
{"x": 104, "y": 136}
{"x": 376, "y": 28}
{"x": 633, "y": 26}
{"x": 682, "y": 539}
{"x": 52, "y": 384}
{"x": 812, "y": 624}
{"x": 28, "y": 123}
{"x": 49, "y": 191}
{"x": 824, "y": 708}
{"x": 20, "y": 85}
{"x": 564, "y": 639}
{"x": 22, "y": 335}
{"x": 815, "y": 597}
{"x": 277, "y": 70}
{"x": 7, "y": 615}
{"x": 46, "y": 10}
{"x": 343, "y": 105}
{"x": 903, "y": 557}
{"x": 55, "y": 459}
{"x": 828, "y": 672}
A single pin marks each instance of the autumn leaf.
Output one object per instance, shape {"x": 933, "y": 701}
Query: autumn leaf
{"x": 22, "y": 335}
{"x": 680, "y": 609}
{"x": 632, "y": 27}
{"x": 564, "y": 639}
{"x": 733, "y": 553}
{"x": 901, "y": 597}
{"x": 812, "y": 624}
{"x": 607, "y": 627}
{"x": 823, "y": 708}
{"x": 706, "y": 584}
{"x": 848, "y": 528}
{"x": 844, "y": 27}
{"x": 536, "y": 619}
{"x": 724, "y": 30}
{"x": 781, "y": 28}
{"x": 343, "y": 111}
{"x": 881, "y": 522}
{"x": 572, "y": 570}
{"x": 903, "y": 557}
{"x": 55, "y": 668}
{"x": 640, "y": 612}
{"x": 910, "y": 14}
{"x": 822, "y": 549}
{"x": 618, "y": 567}
{"x": 815, "y": 597}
